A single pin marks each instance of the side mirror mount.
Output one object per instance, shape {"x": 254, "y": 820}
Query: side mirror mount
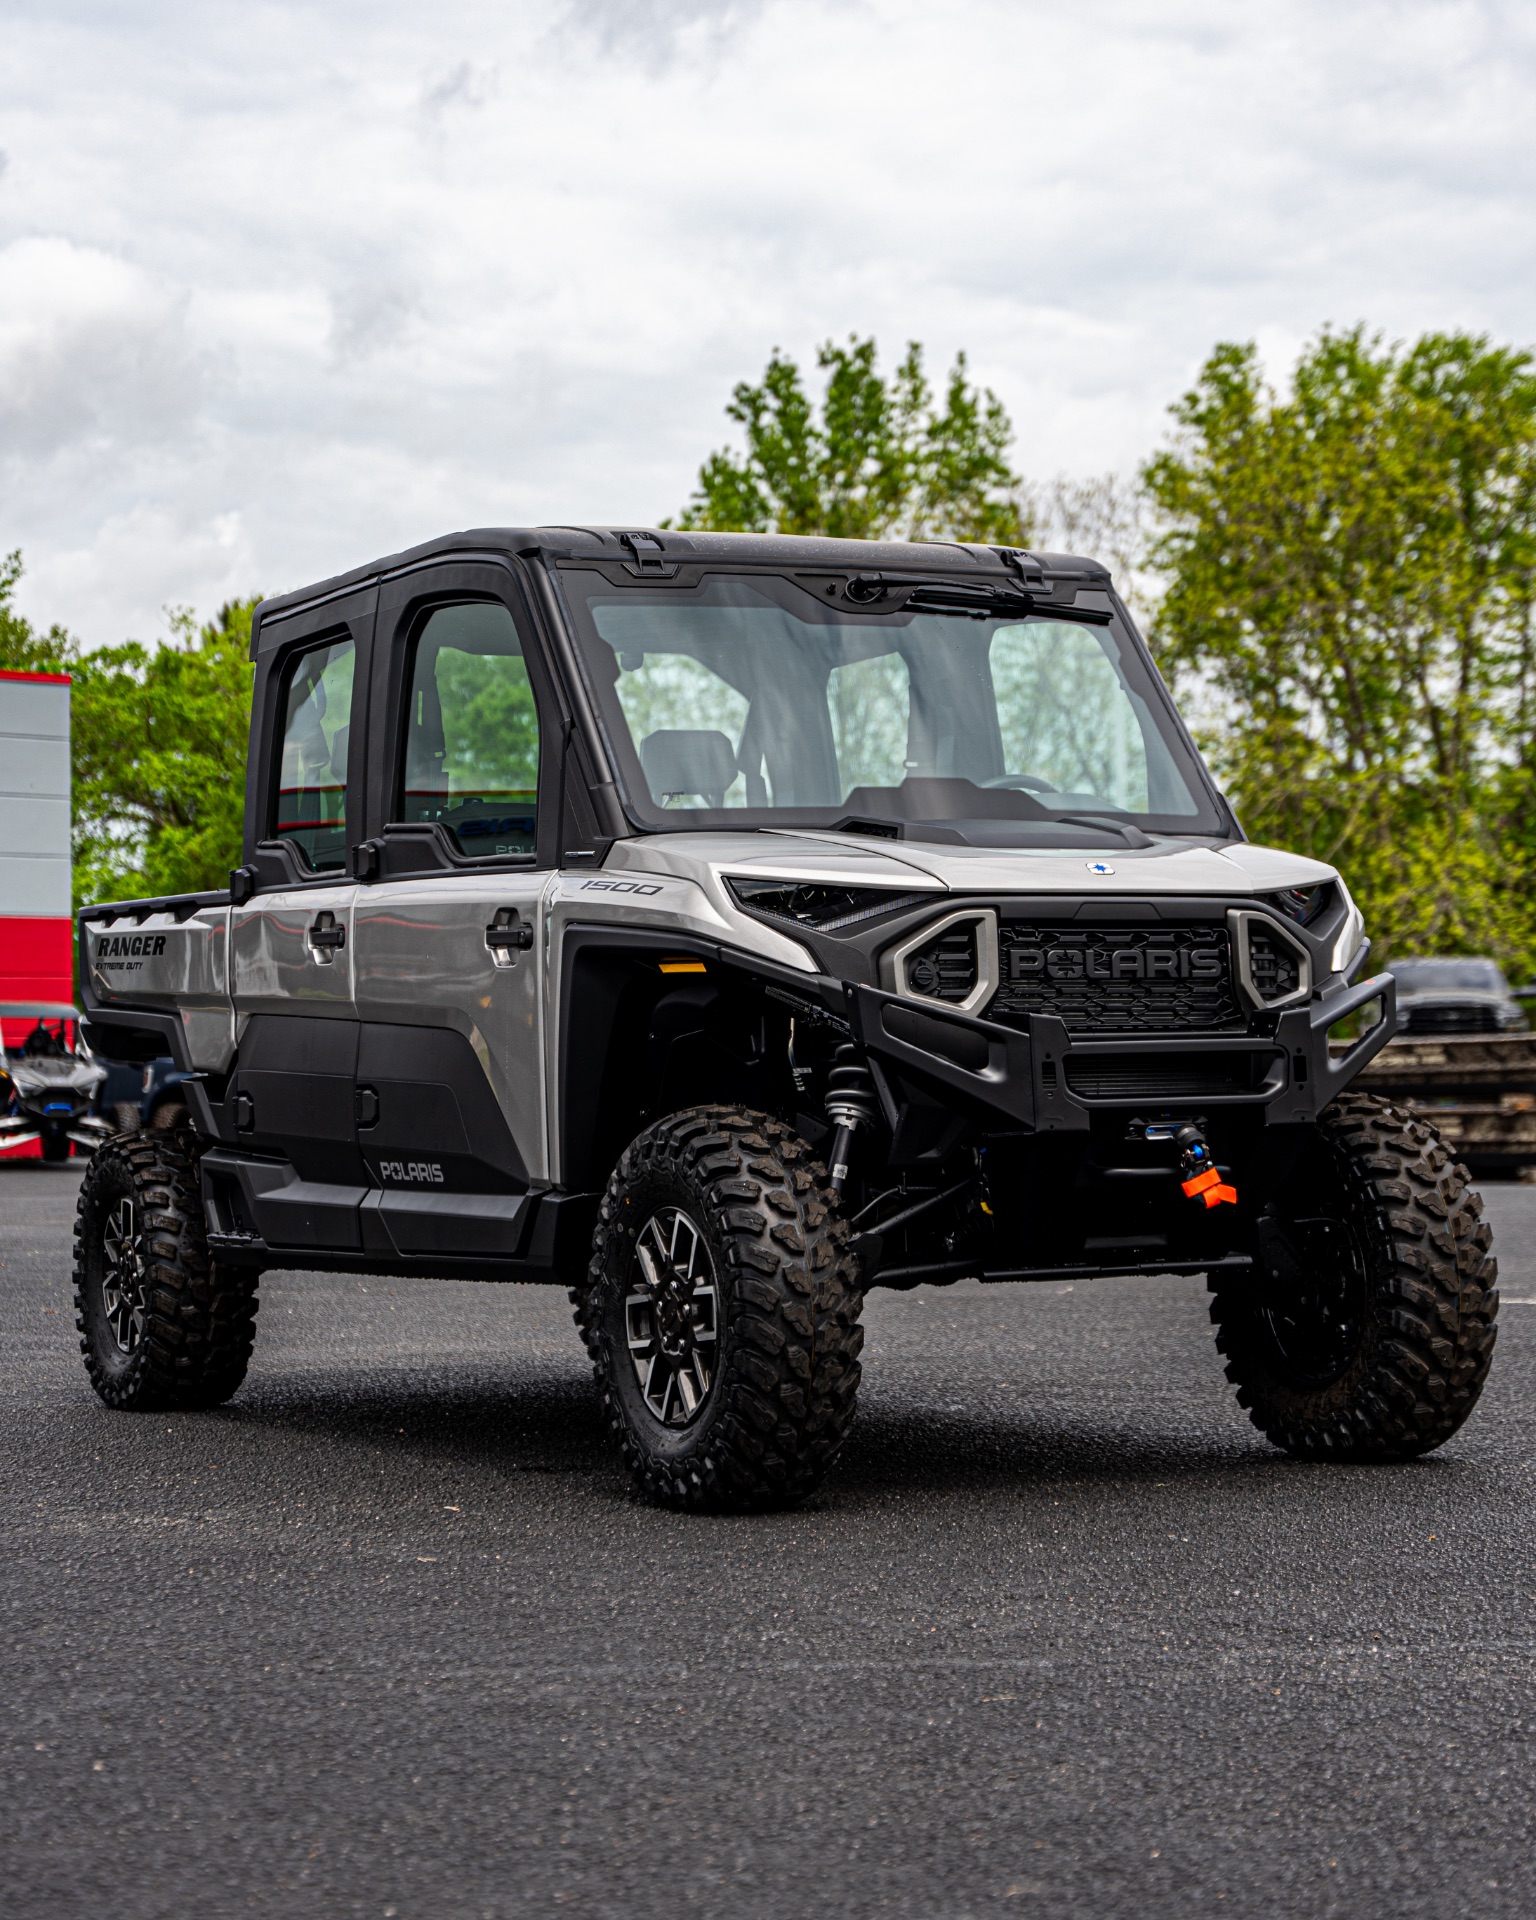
{"x": 242, "y": 884}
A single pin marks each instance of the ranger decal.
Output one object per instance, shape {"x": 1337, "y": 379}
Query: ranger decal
{"x": 115, "y": 946}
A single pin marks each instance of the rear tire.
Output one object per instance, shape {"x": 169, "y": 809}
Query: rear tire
{"x": 161, "y": 1324}
{"x": 721, "y": 1313}
{"x": 1367, "y": 1329}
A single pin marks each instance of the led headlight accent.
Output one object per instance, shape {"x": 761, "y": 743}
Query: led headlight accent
{"x": 951, "y": 962}
{"x": 1274, "y": 969}
{"x": 1351, "y": 934}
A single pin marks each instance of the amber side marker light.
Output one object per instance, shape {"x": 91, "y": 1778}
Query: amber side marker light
{"x": 682, "y": 966}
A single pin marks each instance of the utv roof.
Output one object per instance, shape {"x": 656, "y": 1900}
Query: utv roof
{"x": 744, "y": 549}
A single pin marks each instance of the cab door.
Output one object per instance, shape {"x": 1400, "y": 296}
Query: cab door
{"x": 290, "y": 1096}
{"x": 449, "y": 937}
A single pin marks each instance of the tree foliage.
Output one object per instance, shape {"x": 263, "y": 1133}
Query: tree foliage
{"x": 1350, "y": 572}
{"x": 159, "y": 739}
{"x": 22, "y": 648}
{"x": 160, "y": 742}
{"x": 879, "y": 460}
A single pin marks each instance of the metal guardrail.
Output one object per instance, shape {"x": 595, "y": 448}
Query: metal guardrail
{"x": 1479, "y": 1089}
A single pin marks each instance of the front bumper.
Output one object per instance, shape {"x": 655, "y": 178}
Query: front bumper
{"x": 1046, "y": 1080}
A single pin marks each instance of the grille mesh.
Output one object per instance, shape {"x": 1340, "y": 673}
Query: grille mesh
{"x": 1167, "y": 1076}
{"x": 1118, "y": 979}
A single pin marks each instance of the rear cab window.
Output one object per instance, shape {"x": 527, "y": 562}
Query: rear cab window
{"x": 311, "y": 804}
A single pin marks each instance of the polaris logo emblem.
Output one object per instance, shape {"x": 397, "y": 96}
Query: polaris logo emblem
{"x": 1110, "y": 964}
{"x": 139, "y": 945}
{"x": 1098, "y": 866}
{"x": 428, "y": 1172}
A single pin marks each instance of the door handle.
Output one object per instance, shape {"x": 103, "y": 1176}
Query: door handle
{"x": 325, "y": 938}
{"x": 507, "y": 935}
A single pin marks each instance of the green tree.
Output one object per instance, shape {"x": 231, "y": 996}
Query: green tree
{"x": 160, "y": 739}
{"x": 1350, "y": 571}
{"x": 22, "y": 648}
{"x": 880, "y": 461}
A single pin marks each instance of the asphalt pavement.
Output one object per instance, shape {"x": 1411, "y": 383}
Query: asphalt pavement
{"x": 390, "y": 1636}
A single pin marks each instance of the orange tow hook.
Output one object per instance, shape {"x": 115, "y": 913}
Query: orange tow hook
{"x": 1202, "y": 1178}
{"x": 1210, "y": 1186}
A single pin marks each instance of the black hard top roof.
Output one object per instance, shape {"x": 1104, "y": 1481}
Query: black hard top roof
{"x": 748, "y": 549}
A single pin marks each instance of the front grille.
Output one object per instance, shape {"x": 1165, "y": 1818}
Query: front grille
{"x": 1167, "y": 1076}
{"x": 1117, "y": 980}
{"x": 1464, "y": 1019}
{"x": 947, "y": 968}
{"x": 1276, "y": 966}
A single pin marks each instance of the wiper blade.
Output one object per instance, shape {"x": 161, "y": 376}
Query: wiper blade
{"x": 1128, "y": 830}
{"x": 944, "y": 596}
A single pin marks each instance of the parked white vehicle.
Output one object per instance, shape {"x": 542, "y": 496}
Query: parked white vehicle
{"x": 48, "y": 1084}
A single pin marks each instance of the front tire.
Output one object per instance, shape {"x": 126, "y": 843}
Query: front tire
{"x": 161, "y": 1324}
{"x": 721, "y": 1313}
{"x": 1367, "y": 1328}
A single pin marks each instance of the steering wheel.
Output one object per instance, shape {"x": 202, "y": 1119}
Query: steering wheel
{"x": 1020, "y": 782}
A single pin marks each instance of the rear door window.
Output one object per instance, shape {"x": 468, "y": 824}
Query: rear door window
{"x": 472, "y": 732}
{"x": 312, "y": 772}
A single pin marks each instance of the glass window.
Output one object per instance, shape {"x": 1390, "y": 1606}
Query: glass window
{"x": 1447, "y": 976}
{"x": 312, "y": 776}
{"x": 472, "y": 731}
{"x": 751, "y": 696}
{"x": 1070, "y": 731}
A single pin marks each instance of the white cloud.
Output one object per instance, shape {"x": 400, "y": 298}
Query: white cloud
{"x": 342, "y": 278}
{"x": 92, "y": 350}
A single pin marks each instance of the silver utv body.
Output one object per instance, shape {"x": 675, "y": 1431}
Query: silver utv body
{"x": 409, "y": 1042}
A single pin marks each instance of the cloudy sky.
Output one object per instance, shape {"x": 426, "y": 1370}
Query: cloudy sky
{"x": 286, "y": 287}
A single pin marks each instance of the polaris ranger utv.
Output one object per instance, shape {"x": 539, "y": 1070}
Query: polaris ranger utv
{"x": 720, "y": 926}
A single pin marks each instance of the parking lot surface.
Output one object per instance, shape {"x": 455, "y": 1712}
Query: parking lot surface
{"x": 390, "y": 1636}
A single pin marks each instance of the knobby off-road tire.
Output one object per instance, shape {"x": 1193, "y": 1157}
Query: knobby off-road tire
{"x": 1368, "y": 1330}
{"x": 161, "y": 1324}
{"x": 729, "y": 1210}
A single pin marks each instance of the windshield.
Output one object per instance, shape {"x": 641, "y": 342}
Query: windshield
{"x": 744, "y": 701}
{"x": 1448, "y": 976}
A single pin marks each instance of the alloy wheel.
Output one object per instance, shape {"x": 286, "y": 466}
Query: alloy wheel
{"x": 122, "y": 1284}
{"x": 672, "y": 1317}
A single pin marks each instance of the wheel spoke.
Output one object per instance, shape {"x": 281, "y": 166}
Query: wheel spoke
{"x": 648, "y": 1265}
{"x": 671, "y": 1314}
{"x": 122, "y": 1280}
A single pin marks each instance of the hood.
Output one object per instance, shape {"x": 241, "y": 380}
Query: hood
{"x": 1169, "y": 867}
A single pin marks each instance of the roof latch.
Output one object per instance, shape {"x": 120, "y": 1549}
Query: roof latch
{"x": 1025, "y": 564}
{"x": 649, "y": 555}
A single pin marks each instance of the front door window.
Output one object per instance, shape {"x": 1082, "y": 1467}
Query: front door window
{"x": 472, "y": 731}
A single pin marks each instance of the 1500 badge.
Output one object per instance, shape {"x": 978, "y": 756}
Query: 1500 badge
{"x": 1118, "y": 963}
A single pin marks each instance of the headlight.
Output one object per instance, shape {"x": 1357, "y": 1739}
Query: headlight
{"x": 1303, "y": 904}
{"x": 826, "y": 909}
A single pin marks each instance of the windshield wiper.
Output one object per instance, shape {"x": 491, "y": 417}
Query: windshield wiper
{"x": 980, "y": 603}
{"x": 1127, "y": 829}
